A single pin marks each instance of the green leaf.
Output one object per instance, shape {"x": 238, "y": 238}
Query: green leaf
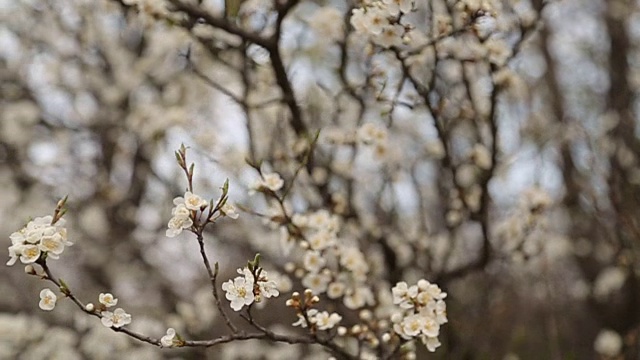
{"x": 225, "y": 187}
{"x": 64, "y": 288}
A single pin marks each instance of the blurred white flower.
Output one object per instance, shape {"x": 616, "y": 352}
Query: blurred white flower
{"x": 608, "y": 281}
{"x": 228, "y": 209}
{"x": 335, "y": 290}
{"x": 358, "y": 297}
{"x": 313, "y": 261}
{"x": 391, "y": 35}
{"x": 321, "y": 240}
{"x": 316, "y": 282}
{"x": 608, "y": 343}
{"x": 395, "y": 7}
{"x": 273, "y": 182}
{"x": 327, "y": 23}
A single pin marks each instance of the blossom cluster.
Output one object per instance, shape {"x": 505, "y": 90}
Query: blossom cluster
{"x": 117, "y": 318}
{"x": 337, "y": 269}
{"x": 186, "y": 207}
{"x": 182, "y": 212}
{"x": 251, "y": 287}
{"x": 40, "y": 236}
{"x": 310, "y": 317}
{"x": 382, "y": 21}
{"x": 322, "y": 320}
{"x": 370, "y": 134}
{"x": 423, "y": 312}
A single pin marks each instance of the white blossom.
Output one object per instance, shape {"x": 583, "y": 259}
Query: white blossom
{"x": 167, "y": 340}
{"x": 180, "y": 210}
{"x": 353, "y": 260}
{"x": 117, "y": 318}
{"x": 52, "y": 244}
{"x": 193, "y": 201}
{"x": 177, "y": 224}
{"x": 239, "y": 291}
{"x": 313, "y": 261}
{"x": 316, "y": 282}
{"x": 321, "y": 240}
{"x": 432, "y": 343}
{"x": 266, "y": 287}
{"x": 302, "y": 322}
{"x": 107, "y": 299}
{"x": 47, "y": 299}
{"x": 273, "y": 182}
{"x": 358, "y": 297}
{"x": 413, "y": 325}
{"x": 29, "y": 253}
{"x": 326, "y": 321}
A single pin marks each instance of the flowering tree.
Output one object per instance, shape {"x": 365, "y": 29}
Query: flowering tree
{"x": 365, "y": 156}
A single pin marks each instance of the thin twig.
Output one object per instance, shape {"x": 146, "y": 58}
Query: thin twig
{"x": 68, "y": 293}
{"x": 213, "y": 275}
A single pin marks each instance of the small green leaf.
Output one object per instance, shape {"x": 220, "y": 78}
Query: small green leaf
{"x": 62, "y": 202}
{"x": 64, "y": 288}
{"x": 256, "y": 260}
{"x": 225, "y": 187}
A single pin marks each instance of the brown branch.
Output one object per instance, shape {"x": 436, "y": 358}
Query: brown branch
{"x": 213, "y": 275}
{"x": 280, "y": 72}
{"x": 197, "y": 13}
{"x": 69, "y": 294}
